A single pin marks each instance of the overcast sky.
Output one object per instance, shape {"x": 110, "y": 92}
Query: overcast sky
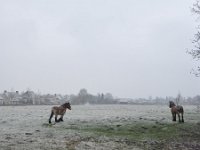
{"x": 130, "y": 48}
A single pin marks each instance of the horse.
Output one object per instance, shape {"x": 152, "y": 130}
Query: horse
{"x": 59, "y": 110}
{"x": 176, "y": 110}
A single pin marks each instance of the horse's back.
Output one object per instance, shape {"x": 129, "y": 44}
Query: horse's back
{"x": 58, "y": 110}
{"x": 180, "y": 109}
{"x": 54, "y": 107}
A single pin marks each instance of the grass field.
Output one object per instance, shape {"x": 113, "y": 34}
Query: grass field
{"x": 99, "y": 127}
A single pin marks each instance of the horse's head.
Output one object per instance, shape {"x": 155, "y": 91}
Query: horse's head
{"x": 171, "y": 104}
{"x": 67, "y": 105}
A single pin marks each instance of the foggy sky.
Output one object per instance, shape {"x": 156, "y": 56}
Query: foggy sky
{"x": 129, "y": 48}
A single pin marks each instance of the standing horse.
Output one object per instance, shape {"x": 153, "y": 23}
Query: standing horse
{"x": 176, "y": 110}
{"x": 59, "y": 110}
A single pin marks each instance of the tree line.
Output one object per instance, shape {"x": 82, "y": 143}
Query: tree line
{"x": 31, "y": 98}
{"x": 83, "y": 97}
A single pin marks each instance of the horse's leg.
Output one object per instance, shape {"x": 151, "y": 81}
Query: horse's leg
{"x": 50, "y": 117}
{"x": 61, "y": 118}
{"x": 56, "y": 120}
{"x": 182, "y": 117}
{"x": 179, "y": 117}
{"x": 174, "y": 116}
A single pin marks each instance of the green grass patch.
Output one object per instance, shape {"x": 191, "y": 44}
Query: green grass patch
{"x": 134, "y": 131}
{"x": 142, "y": 134}
{"x": 141, "y": 131}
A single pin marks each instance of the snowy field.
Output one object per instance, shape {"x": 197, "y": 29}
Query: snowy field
{"x": 26, "y": 127}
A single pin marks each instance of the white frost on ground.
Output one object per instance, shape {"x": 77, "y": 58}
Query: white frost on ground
{"x": 26, "y": 127}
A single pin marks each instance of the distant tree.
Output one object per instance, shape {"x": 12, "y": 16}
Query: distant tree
{"x": 83, "y": 96}
{"x": 108, "y": 96}
{"x": 100, "y": 98}
{"x": 178, "y": 99}
{"x": 83, "y": 92}
{"x": 73, "y": 99}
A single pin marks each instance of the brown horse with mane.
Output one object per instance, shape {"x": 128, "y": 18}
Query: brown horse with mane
{"x": 176, "y": 110}
{"x": 59, "y": 110}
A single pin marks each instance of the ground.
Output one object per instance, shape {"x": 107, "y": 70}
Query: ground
{"x": 100, "y": 127}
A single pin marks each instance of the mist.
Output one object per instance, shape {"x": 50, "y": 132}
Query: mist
{"x": 127, "y": 48}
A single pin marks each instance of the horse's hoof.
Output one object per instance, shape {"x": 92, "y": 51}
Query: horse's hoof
{"x": 60, "y": 120}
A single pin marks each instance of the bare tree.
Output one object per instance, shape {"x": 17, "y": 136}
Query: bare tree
{"x": 178, "y": 98}
{"x": 195, "y": 52}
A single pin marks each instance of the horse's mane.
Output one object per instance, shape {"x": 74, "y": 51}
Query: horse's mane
{"x": 65, "y": 105}
{"x": 171, "y": 104}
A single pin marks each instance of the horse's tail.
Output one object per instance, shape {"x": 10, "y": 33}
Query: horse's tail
{"x": 51, "y": 116}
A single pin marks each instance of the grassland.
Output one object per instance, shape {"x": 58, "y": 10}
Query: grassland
{"x": 97, "y": 127}
{"x": 144, "y": 135}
